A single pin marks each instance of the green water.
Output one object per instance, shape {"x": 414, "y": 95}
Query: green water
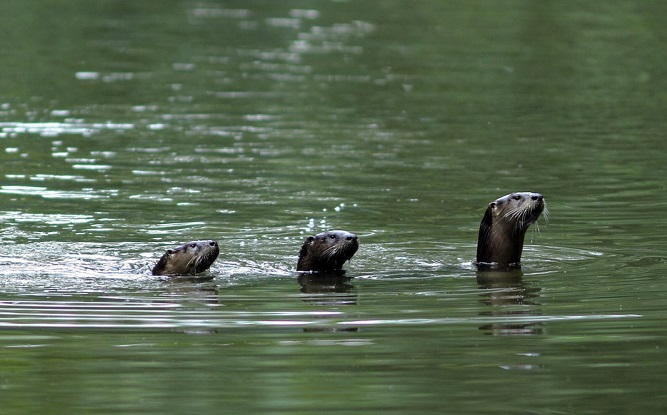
{"x": 130, "y": 127}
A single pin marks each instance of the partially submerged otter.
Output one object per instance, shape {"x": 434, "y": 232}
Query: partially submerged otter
{"x": 187, "y": 259}
{"x": 327, "y": 251}
{"x": 504, "y": 226}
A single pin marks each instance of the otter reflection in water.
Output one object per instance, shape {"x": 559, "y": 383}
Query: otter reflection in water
{"x": 188, "y": 259}
{"x": 326, "y": 252}
{"x": 513, "y": 306}
{"x": 503, "y": 228}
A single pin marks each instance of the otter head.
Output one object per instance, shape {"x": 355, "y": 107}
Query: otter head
{"x": 327, "y": 251}
{"x": 504, "y": 226}
{"x": 187, "y": 259}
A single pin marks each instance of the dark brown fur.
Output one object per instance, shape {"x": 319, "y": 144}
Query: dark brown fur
{"x": 187, "y": 259}
{"x": 503, "y": 228}
{"x": 327, "y": 251}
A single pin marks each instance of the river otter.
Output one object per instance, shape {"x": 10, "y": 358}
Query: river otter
{"x": 504, "y": 226}
{"x": 187, "y": 259}
{"x": 327, "y": 251}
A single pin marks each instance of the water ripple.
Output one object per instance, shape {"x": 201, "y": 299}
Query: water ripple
{"x": 54, "y": 129}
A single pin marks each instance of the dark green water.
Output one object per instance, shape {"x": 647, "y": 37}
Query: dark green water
{"x": 130, "y": 127}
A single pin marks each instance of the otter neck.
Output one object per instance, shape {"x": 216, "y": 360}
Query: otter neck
{"x": 499, "y": 244}
{"x": 508, "y": 246}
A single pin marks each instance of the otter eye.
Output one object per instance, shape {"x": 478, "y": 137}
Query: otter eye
{"x": 193, "y": 245}
{"x": 516, "y": 197}
{"x": 332, "y": 236}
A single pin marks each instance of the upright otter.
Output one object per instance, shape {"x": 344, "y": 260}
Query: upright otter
{"x": 327, "y": 251}
{"x": 504, "y": 226}
{"x": 187, "y": 259}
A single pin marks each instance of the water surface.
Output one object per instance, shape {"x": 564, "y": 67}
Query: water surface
{"x": 128, "y": 128}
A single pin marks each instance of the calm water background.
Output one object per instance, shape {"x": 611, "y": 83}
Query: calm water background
{"x": 129, "y": 127}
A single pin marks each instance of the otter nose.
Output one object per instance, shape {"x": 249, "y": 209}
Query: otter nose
{"x": 213, "y": 243}
{"x": 351, "y": 237}
{"x": 536, "y": 196}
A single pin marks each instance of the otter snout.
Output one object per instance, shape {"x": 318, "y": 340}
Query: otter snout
{"x": 538, "y": 200}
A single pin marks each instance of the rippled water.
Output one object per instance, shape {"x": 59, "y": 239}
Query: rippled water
{"x": 129, "y": 128}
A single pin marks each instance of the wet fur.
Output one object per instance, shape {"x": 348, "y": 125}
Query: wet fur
{"x": 503, "y": 228}
{"x": 187, "y": 259}
{"x": 327, "y": 251}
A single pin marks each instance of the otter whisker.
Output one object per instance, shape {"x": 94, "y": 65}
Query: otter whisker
{"x": 518, "y": 217}
{"x": 516, "y": 214}
{"x": 191, "y": 262}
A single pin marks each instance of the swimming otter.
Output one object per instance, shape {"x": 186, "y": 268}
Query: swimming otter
{"x": 327, "y": 251}
{"x": 504, "y": 226}
{"x": 187, "y": 259}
